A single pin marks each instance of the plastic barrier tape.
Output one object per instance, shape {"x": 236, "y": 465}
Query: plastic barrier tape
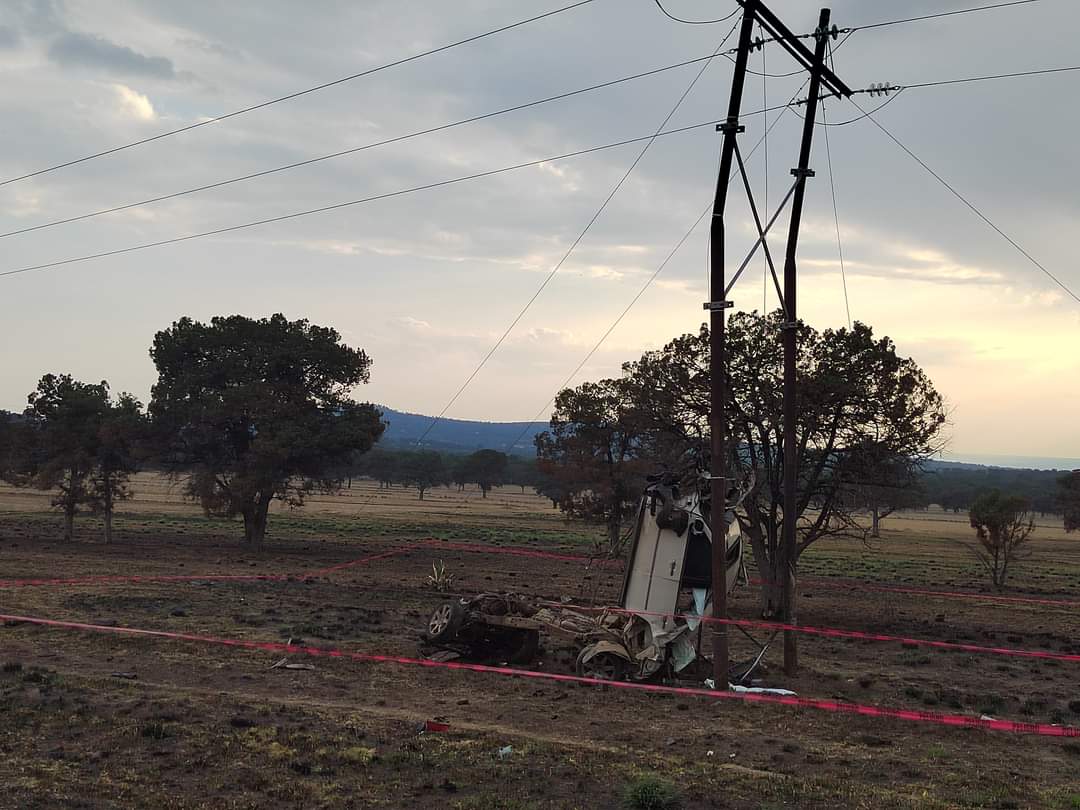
{"x": 833, "y": 632}
{"x": 978, "y": 597}
{"x": 936, "y": 718}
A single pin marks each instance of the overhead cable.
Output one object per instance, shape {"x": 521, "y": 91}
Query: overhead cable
{"x": 940, "y": 14}
{"x": 894, "y": 90}
{"x": 573, "y": 245}
{"x": 994, "y": 76}
{"x": 615, "y": 323}
{"x": 969, "y": 204}
{"x": 361, "y": 201}
{"x": 648, "y": 282}
{"x": 668, "y": 14}
{"x": 836, "y": 219}
{"x": 356, "y": 149}
{"x": 852, "y": 29}
{"x": 297, "y": 94}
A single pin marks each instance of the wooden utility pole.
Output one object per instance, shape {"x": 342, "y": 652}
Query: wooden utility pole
{"x": 718, "y": 382}
{"x": 789, "y": 548}
{"x": 756, "y": 11}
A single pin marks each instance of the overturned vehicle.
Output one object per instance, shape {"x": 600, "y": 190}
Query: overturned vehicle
{"x": 645, "y": 636}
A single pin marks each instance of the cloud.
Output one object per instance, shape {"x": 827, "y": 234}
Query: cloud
{"x": 9, "y": 37}
{"x": 134, "y": 103}
{"x": 605, "y": 272}
{"x": 413, "y": 324}
{"x": 25, "y": 202}
{"x": 543, "y": 335}
{"x": 212, "y": 48}
{"x": 944, "y": 273}
{"x": 74, "y": 49}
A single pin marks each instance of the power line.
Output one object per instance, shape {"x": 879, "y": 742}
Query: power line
{"x": 617, "y": 321}
{"x": 899, "y": 88}
{"x": 762, "y": 73}
{"x": 852, "y": 29}
{"x": 573, "y": 245}
{"x": 836, "y": 218}
{"x": 878, "y": 89}
{"x": 994, "y": 76}
{"x": 354, "y": 150}
{"x": 297, "y": 94}
{"x": 940, "y": 14}
{"x": 762, "y": 140}
{"x": 883, "y": 105}
{"x": 667, "y": 13}
{"x": 374, "y": 198}
{"x": 969, "y": 204}
{"x": 361, "y": 201}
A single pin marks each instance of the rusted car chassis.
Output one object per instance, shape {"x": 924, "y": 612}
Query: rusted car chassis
{"x": 611, "y": 644}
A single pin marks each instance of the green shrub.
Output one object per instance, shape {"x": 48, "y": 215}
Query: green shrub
{"x": 651, "y": 793}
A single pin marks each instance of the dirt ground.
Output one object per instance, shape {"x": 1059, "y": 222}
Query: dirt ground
{"x": 94, "y": 720}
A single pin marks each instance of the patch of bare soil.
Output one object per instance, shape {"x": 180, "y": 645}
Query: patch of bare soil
{"x": 93, "y": 720}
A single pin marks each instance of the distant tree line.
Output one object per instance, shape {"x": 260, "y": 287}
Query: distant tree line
{"x": 424, "y": 470}
{"x": 957, "y": 488}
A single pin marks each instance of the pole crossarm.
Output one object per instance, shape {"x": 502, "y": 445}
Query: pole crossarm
{"x": 762, "y": 233}
{"x": 786, "y": 37}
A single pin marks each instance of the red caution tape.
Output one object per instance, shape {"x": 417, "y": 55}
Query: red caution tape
{"x": 979, "y": 597}
{"x": 519, "y": 551}
{"x": 937, "y": 718}
{"x": 833, "y": 632}
{"x": 838, "y": 584}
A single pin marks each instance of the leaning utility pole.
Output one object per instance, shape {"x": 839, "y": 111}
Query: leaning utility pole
{"x": 718, "y": 382}
{"x": 789, "y": 549}
{"x": 756, "y": 11}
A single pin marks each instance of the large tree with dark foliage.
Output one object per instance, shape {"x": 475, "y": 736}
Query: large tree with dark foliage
{"x": 866, "y": 417}
{"x": 1069, "y": 499}
{"x": 258, "y": 410}
{"x": 592, "y": 454}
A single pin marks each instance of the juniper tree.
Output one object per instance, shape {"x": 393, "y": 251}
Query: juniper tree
{"x": 259, "y": 410}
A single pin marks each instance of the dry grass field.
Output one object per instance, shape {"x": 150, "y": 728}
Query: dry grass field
{"x": 96, "y": 720}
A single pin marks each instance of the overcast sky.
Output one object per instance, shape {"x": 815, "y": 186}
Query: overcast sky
{"x": 426, "y": 282}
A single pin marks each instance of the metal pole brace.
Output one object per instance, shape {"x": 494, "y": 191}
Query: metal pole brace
{"x": 731, "y": 125}
{"x": 802, "y": 173}
{"x": 713, "y": 306}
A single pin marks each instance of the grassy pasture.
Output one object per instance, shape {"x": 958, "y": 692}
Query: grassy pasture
{"x": 201, "y": 726}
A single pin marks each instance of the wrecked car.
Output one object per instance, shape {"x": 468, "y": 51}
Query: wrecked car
{"x": 645, "y": 636}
